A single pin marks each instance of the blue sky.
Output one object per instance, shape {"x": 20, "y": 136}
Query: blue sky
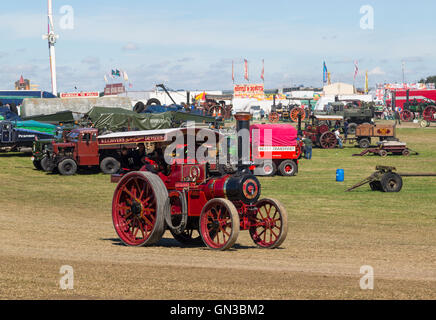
{"x": 190, "y": 44}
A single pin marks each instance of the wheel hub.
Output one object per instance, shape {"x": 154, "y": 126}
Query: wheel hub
{"x": 215, "y": 225}
{"x": 269, "y": 223}
{"x": 136, "y": 208}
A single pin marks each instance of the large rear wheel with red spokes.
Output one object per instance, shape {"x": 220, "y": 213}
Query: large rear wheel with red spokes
{"x": 407, "y": 116}
{"x": 429, "y": 114}
{"x": 269, "y": 226}
{"x": 274, "y": 117}
{"x": 219, "y": 224}
{"x": 138, "y": 208}
{"x": 328, "y": 140}
{"x": 296, "y": 112}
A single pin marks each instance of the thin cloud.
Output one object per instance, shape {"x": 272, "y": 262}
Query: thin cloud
{"x": 377, "y": 71}
{"x": 130, "y": 47}
{"x": 91, "y": 60}
{"x": 413, "y": 59}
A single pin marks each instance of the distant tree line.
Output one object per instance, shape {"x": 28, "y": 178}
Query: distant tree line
{"x": 431, "y": 79}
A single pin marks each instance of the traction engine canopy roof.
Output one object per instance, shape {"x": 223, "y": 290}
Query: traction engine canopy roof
{"x": 161, "y": 135}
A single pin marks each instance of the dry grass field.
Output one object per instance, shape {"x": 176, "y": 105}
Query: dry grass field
{"x": 47, "y": 221}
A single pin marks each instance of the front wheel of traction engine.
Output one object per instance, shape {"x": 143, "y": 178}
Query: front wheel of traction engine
{"x": 67, "y": 167}
{"x": 219, "y": 224}
{"x": 269, "y": 227}
{"x": 138, "y": 209}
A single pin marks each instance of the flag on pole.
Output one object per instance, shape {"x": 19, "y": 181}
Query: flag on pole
{"x": 201, "y": 96}
{"x": 233, "y": 71}
{"x": 105, "y": 79}
{"x": 246, "y": 69}
{"x": 356, "y": 71}
{"x": 126, "y": 78}
{"x": 325, "y": 73}
{"x": 262, "y": 76}
{"x": 366, "y": 82}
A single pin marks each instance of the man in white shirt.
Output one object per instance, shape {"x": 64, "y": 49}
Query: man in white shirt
{"x": 338, "y": 137}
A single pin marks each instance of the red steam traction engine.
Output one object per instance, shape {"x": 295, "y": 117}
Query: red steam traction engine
{"x": 196, "y": 206}
{"x": 319, "y": 131}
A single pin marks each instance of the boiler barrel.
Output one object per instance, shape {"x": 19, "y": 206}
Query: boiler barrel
{"x": 244, "y": 187}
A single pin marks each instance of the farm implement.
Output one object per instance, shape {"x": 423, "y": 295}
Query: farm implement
{"x": 385, "y": 179}
{"x": 389, "y": 147}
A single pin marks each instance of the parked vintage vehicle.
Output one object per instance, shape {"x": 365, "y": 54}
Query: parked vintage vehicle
{"x": 428, "y": 116}
{"x": 80, "y": 148}
{"x": 366, "y": 132}
{"x": 355, "y": 113}
{"x": 319, "y": 131}
{"x": 13, "y": 138}
{"x": 286, "y": 113}
{"x": 194, "y": 205}
{"x": 39, "y": 158}
{"x": 278, "y": 152}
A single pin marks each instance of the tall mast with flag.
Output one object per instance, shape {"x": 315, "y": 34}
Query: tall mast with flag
{"x": 324, "y": 74}
{"x": 233, "y": 72}
{"x": 52, "y": 37}
{"x": 366, "y": 82}
{"x": 356, "y": 71}
{"x": 246, "y": 69}
{"x": 262, "y": 75}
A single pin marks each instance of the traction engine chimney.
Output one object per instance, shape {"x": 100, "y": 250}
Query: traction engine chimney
{"x": 243, "y": 134}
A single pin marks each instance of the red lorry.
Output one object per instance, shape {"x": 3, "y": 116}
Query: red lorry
{"x": 414, "y": 95}
{"x": 275, "y": 147}
{"x": 80, "y": 148}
